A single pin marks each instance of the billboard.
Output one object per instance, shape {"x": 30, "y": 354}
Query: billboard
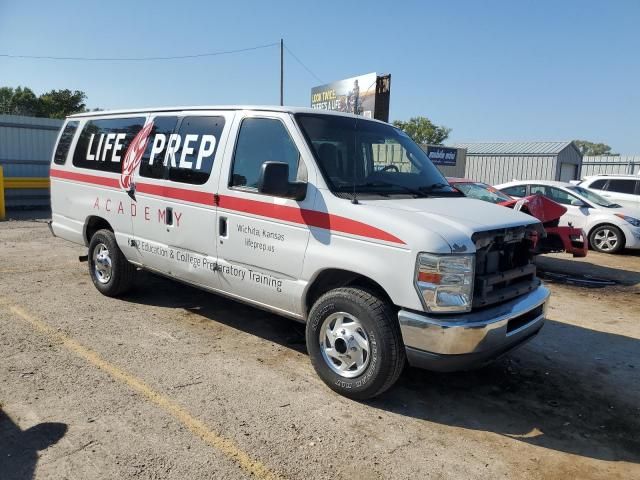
{"x": 366, "y": 95}
{"x": 442, "y": 155}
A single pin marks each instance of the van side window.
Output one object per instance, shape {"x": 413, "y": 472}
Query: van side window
{"x": 62, "y": 149}
{"x": 103, "y": 143}
{"x": 190, "y": 153}
{"x": 153, "y": 160}
{"x": 261, "y": 140}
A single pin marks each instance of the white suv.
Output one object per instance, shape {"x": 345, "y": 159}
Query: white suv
{"x": 622, "y": 189}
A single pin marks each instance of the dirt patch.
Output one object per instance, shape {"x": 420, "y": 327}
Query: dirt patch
{"x": 566, "y": 405}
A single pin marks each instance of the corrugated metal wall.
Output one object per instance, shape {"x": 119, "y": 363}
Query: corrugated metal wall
{"x": 26, "y": 145}
{"x": 394, "y": 154}
{"x": 500, "y": 169}
{"x": 618, "y": 164}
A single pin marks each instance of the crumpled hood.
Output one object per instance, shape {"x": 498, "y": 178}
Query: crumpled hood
{"x": 454, "y": 220}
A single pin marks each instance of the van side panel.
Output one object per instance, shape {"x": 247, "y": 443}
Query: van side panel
{"x": 388, "y": 263}
{"x": 77, "y": 194}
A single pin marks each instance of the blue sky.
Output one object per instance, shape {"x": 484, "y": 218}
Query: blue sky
{"x": 490, "y": 70}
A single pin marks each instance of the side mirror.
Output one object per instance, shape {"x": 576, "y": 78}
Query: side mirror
{"x": 274, "y": 180}
{"x": 578, "y": 203}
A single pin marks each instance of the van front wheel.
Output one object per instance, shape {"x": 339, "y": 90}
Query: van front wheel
{"x": 354, "y": 342}
{"x": 110, "y": 271}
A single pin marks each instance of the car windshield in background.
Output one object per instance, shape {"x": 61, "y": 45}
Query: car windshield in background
{"x": 480, "y": 191}
{"x": 593, "y": 197}
{"x": 371, "y": 158}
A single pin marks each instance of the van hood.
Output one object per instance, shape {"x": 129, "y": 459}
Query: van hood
{"x": 418, "y": 222}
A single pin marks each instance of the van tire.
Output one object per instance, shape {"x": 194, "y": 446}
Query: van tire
{"x": 121, "y": 273}
{"x": 377, "y": 319}
{"x": 602, "y": 237}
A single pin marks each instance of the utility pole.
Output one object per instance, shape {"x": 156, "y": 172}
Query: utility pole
{"x": 281, "y": 72}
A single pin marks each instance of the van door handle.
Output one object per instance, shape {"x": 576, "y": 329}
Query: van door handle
{"x": 222, "y": 227}
{"x": 169, "y": 216}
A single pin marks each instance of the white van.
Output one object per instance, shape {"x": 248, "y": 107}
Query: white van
{"x": 331, "y": 219}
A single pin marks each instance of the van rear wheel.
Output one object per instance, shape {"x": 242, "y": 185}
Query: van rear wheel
{"x": 110, "y": 271}
{"x": 354, "y": 342}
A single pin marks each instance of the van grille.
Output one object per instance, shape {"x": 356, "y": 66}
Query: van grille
{"x": 504, "y": 265}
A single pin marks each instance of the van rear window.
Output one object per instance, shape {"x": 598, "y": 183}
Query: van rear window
{"x": 62, "y": 149}
{"x": 102, "y": 143}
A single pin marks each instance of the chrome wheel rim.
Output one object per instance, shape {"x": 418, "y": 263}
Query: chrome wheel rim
{"x": 344, "y": 344}
{"x": 605, "y": 240}
{"x": 102, "y": 266}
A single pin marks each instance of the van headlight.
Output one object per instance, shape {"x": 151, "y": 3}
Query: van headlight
{"x": 445, "y": 282}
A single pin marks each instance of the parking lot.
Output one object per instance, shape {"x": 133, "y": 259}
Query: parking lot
{"x": 172, "y": 382}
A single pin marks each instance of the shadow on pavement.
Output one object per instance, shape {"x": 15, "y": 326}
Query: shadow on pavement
{"x": 28, "y": 214}
{"x": 19, "y": 449}
{"x": 547, "y": 404}
{"x": 588, "y": 267}
{"x": 527, "y": 396}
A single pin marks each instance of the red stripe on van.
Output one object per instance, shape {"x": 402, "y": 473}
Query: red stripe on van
{"x": 83, "y": 177}
{"x": 301, "y": 216}
{"x": 194, "y": 196}
{"x": 311, "y": 218}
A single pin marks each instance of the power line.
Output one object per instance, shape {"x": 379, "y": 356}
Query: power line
{"x": 303, "y": 65}
{"x": 142, "y": 59}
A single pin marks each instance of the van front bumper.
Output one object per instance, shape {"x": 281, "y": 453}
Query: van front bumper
{"x": 447, "y": 343}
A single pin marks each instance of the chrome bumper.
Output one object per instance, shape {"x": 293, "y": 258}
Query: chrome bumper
{"x": 466, "y": 341}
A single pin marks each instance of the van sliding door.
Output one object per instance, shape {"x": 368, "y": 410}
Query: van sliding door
{"x": 176, "y": 225}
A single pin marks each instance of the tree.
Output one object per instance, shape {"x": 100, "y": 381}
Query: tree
{"x": 18, "y": 101}
{"x": 6, "y": 97}
{"x": 593, "y": 149}
{"x": 423, "y": 131}
{"x": 53, "y": 104}
{"x": 60, "y": 103}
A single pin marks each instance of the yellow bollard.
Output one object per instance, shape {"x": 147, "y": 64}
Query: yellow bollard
{"x": 2, "y": 211}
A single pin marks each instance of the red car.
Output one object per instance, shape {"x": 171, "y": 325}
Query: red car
{"x": 558, "y": 239}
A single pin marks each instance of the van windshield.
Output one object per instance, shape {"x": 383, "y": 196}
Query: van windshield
{"x": 372, "y": 158}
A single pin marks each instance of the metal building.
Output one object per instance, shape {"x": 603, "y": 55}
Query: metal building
{"x": 611, "y": 164}
{"x": 26, "y": 145}
{"x": 495, "y": 163}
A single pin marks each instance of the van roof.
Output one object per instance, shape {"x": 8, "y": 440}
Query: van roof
{"x": 261, "y": 108}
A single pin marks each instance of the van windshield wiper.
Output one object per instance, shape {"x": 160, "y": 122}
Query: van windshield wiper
{"x": 433, "y": 187}
{"x": 439, "y": 186}
{"x": 380, "y": 183}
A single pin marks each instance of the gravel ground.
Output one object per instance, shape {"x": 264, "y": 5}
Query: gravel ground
{"x": 172, "y": 382}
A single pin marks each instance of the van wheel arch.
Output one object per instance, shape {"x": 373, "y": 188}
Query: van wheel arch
{"x": 92, "y": 224}
{"x": 333, "y": 278}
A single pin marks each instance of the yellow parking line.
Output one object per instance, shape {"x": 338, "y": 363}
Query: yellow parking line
{"x": 217, "y": 441}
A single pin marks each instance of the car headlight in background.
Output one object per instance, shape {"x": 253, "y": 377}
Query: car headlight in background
{"x": 445, "y": 282}
{"x": 633, "y": 221}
